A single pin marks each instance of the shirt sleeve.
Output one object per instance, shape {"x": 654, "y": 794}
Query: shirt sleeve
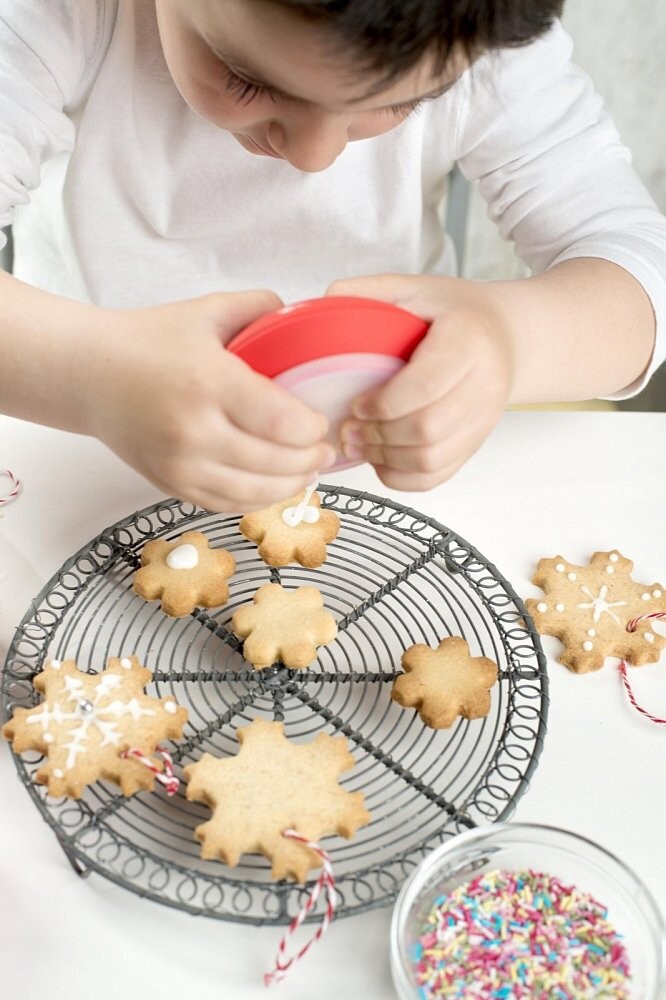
{"x": 47, "y": 52}
{"x": 558, "y": 181}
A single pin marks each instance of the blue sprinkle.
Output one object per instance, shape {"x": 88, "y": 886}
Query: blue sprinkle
{"x": 416, "y": 951}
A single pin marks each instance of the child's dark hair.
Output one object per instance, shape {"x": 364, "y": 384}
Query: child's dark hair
{"x": 391, "y": 36}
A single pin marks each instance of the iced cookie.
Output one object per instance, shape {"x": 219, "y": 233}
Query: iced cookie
{"x": 283, "y": 625}
{"x": 445, "y": 682}
{"x": 589, "y": 607}
{"x": 274, "y": 784}
{"x": 294, "y": 531}
{"x": 184, "y": 574}
{"x": 86, "y": 722}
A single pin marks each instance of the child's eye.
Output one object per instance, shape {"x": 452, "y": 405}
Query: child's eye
{"x": 402, "y": 110}
{"x": 243, "y": 90}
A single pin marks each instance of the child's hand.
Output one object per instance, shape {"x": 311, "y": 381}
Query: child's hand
{"x": 426, "y": 421}
{"x": 190, "y": 416}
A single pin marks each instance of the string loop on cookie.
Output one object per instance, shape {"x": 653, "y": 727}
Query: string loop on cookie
{"x": 631, "y": 627}
{"x": 16, "y": 486}
{"x": 164, "y": 775}
{"x": 325, "y": 881}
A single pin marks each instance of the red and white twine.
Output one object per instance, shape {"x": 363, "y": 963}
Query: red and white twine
{"x": 631, "y": 627}
{"x": 325, "y": 881}
{"x": 15, "y": 487}
{"x": 163, "y": 774}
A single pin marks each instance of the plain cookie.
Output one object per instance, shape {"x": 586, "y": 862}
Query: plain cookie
{"x": 445, "y": 682}
{"x": 271, "y": 785}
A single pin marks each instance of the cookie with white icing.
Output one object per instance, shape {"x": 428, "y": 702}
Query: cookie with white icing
{"x": 285, "y": 626}
{"x": 87, "y": 721}
{"x": 588, "y": 608}
{"x": 296, "y": 530}
{"x": 184, "y": 574}
{"x": 274, "y": 784}
{"x": 445, "y": 683}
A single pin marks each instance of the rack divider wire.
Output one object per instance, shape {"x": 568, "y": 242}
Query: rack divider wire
{"x": 392, "y": 578}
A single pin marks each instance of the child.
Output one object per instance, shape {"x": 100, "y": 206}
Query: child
{"x": 159, "y": 160}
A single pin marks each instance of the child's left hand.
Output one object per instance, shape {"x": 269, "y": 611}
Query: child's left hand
{"x": 419, "y": 427}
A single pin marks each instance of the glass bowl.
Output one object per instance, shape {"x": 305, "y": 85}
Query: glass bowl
{"x": 516, "y": 847}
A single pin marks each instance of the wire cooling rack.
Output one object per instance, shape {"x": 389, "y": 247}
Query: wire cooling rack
{"x": 392, "y": 578}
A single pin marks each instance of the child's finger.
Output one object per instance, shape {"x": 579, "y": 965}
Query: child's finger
{"x": 264, "y": 410}
{"x": 223, "y": 489}
{"x": 231, "y": 312}
{"x": 433, "y": 371}
{"x": 242, "y": 451}
{"x": 422, "y": 295}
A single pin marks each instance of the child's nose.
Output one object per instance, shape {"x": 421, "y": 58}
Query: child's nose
{"x": 310, "y": 142}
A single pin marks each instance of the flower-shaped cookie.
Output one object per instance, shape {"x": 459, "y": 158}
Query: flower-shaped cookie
{"x": 589, "y": 607}
{"x": 272, "y": 785}
{"x": 444, "y": 683}
{"x": 185, "y": 574}
{"x": 283, "y": 538}
{"x": 283, "y": 625}
{"x": 86, "y": 721}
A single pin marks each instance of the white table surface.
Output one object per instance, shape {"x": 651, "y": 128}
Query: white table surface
{"x": 544, "y": 483}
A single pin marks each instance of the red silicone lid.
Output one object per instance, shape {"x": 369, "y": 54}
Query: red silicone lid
{"x": 318, "y": 328}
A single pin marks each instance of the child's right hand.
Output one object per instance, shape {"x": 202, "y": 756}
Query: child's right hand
{"x": 192, "y": 417}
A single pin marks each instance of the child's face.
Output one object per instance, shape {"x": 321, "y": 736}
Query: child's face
{"x": 256, "y": 69}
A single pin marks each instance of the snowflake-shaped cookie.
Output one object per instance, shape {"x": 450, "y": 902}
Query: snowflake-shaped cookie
{"x": 185, "y": 574}
{"x": 86, "y": 721}
{"x": 283, "y": 625}
{"x": 273, "y": 785}
{"x": 292, "y": 531}
{"x": 445, "y": 682}
{"x": 588, "y": 609}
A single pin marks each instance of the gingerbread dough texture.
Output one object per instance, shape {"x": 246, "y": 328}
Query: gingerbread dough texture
{"x": 184, "y": 574}
{"x": 445, "y": 683}
{"x": 86, "y": 721}
{"x": 271, "y": 785}
{"x": 588, "y": 608}
{"x": 281, "y": 543}
{"x": 283, "y": 625}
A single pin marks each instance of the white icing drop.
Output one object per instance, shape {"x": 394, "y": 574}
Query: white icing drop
{"x": 48, "y": 738}
{"x": 656, "y": 593}
{"x": 610, "y": 569}
{"x": 591, "y": 631}
{"x": 613, "y": 557}
{"x": 559, "y": 607}
{"x": 542, "y": 607}
{"x": 645, "y": 597}
{"x": 649, "y": 636}
{"x": 170, "y": 707}
{"x": 303, "y": 512}
{"x": 58, "y": 772}
{"x": 55, "y": 664}
{"x": 587, "y": 645}
{"x": 560, "y": 567}
{"x": 183, "y": 557}
{"x": 126, "y": 663}
{"x": 571, "y": 576}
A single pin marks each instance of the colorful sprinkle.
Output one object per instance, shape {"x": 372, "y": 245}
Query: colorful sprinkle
{"x": 517, "y": 935}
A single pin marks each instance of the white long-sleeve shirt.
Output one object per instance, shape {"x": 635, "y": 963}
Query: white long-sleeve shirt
{"x": 120, "y": 195}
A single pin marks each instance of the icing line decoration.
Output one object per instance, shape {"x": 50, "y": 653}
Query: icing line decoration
{"x": 293, "y": 516}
